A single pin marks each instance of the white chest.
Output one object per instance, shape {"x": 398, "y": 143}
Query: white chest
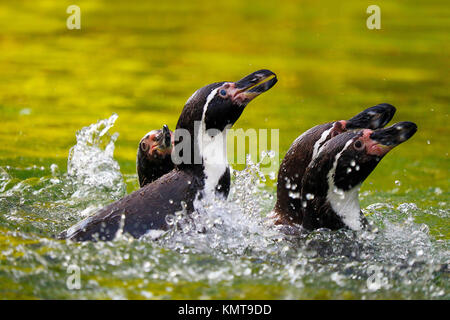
{"x": 212, "y": 145}
{"x": 344, "y": 203}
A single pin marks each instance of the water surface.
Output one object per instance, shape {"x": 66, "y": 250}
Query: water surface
{"x": 141, "y": 60}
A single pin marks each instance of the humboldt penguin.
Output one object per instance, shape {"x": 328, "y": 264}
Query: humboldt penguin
{"x": 306, "y": 147}
{"x": 332, "y": 180}
{"x": 153, "y": 159}
{"x": 201, "y": 167}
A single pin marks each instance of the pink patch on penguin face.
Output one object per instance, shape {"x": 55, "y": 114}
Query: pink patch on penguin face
{"x": 338, "y": 128}
{"x": 372, "y": 147}
{"x": 152, "y": 147}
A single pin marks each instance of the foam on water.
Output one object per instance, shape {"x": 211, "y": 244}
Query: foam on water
{"x": 235, "y": 225}
{"x": 399, "y": 258}
{"x": 225, "y": 245}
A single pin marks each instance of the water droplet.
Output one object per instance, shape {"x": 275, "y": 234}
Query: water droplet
{"x": 54, "y": 169}
{"x": 407, "y": 207}
{"x": 25, "y": 112}
{"x": 170, "y": 219}
{"x": 294, "y": 195}
{"x": 309, "y": 196}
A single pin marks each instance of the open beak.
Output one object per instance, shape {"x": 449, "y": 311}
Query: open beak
{"x": 164, "y": 139}
{"x": 253, "y": 85}
{"x": 372, "y": 118}
{"x": 394, "y": 135}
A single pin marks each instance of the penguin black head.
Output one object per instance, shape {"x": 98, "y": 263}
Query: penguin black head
{"x": 220, "y": 104}
{"x": 372, "y": 118}
{"x": 154, "y": 155}
{"x": 332, "y": 181}
{"x": 361, "y": 151}
{"x": 156, "y": 144}
{"x": 216, "y": 107}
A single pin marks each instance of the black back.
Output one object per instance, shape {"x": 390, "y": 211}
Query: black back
{"x": 143, "y": 210}
{"x": 290, "y": 174}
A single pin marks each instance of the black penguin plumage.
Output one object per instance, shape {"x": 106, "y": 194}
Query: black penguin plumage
{"x": 331, "y": 182}
{"x": 153, "y": 159}
{"x": 147, "y": 208}
{"x": 288, "y": 206}
{"x": 143, "y": 210}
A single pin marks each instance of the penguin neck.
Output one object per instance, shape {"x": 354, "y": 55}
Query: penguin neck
{"x": 213, "y": 152}
{"x": 344, "y": 203}
{"x": 215, "y": 163}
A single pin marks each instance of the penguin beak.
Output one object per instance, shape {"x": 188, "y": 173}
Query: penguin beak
{"x": 167, "y": 137}
{"x": 372, "y": 118}
{"x": 164, "y": 139}
{"x": 253, "y": 85}
{"x": 383, "y": 140}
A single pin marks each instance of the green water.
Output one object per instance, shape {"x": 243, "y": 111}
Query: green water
{"x": 142, "y": 60}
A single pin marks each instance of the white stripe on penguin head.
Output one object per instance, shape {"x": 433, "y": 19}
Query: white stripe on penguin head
{"x": 319, "y": 142}
{"x": 344, "y": 203}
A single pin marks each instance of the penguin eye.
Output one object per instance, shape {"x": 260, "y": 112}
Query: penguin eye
{"x": 358, "y": 145}
{"x": 223, "y": 93}
{"x": 144, "y": 146}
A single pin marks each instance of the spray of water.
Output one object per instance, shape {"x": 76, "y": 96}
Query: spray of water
{"x": 91, "y": 163}
{"x": 223, "y": 244}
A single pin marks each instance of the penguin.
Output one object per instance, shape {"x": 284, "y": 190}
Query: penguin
{"x": 153, "y": 158}
{"x": 201, "y": 168}
{"x": 331, "y": 182}
{"x": 306, "y": 147}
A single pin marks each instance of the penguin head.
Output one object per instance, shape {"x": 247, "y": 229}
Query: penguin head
{"x": 226, "y": 102}
{"x": 216, "y": 107}
{"x": 157, "y": 144}
{"x": 372, "y": 118}
{"x": 220, "y": 104}
{"x": 355, "y": 155}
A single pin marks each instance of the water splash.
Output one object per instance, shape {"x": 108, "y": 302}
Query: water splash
{"x": 222, "y": 247}
{"x": 49, "y": 197}
{"x": 235, "y": 225}
{"x": 91, "y": 161}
